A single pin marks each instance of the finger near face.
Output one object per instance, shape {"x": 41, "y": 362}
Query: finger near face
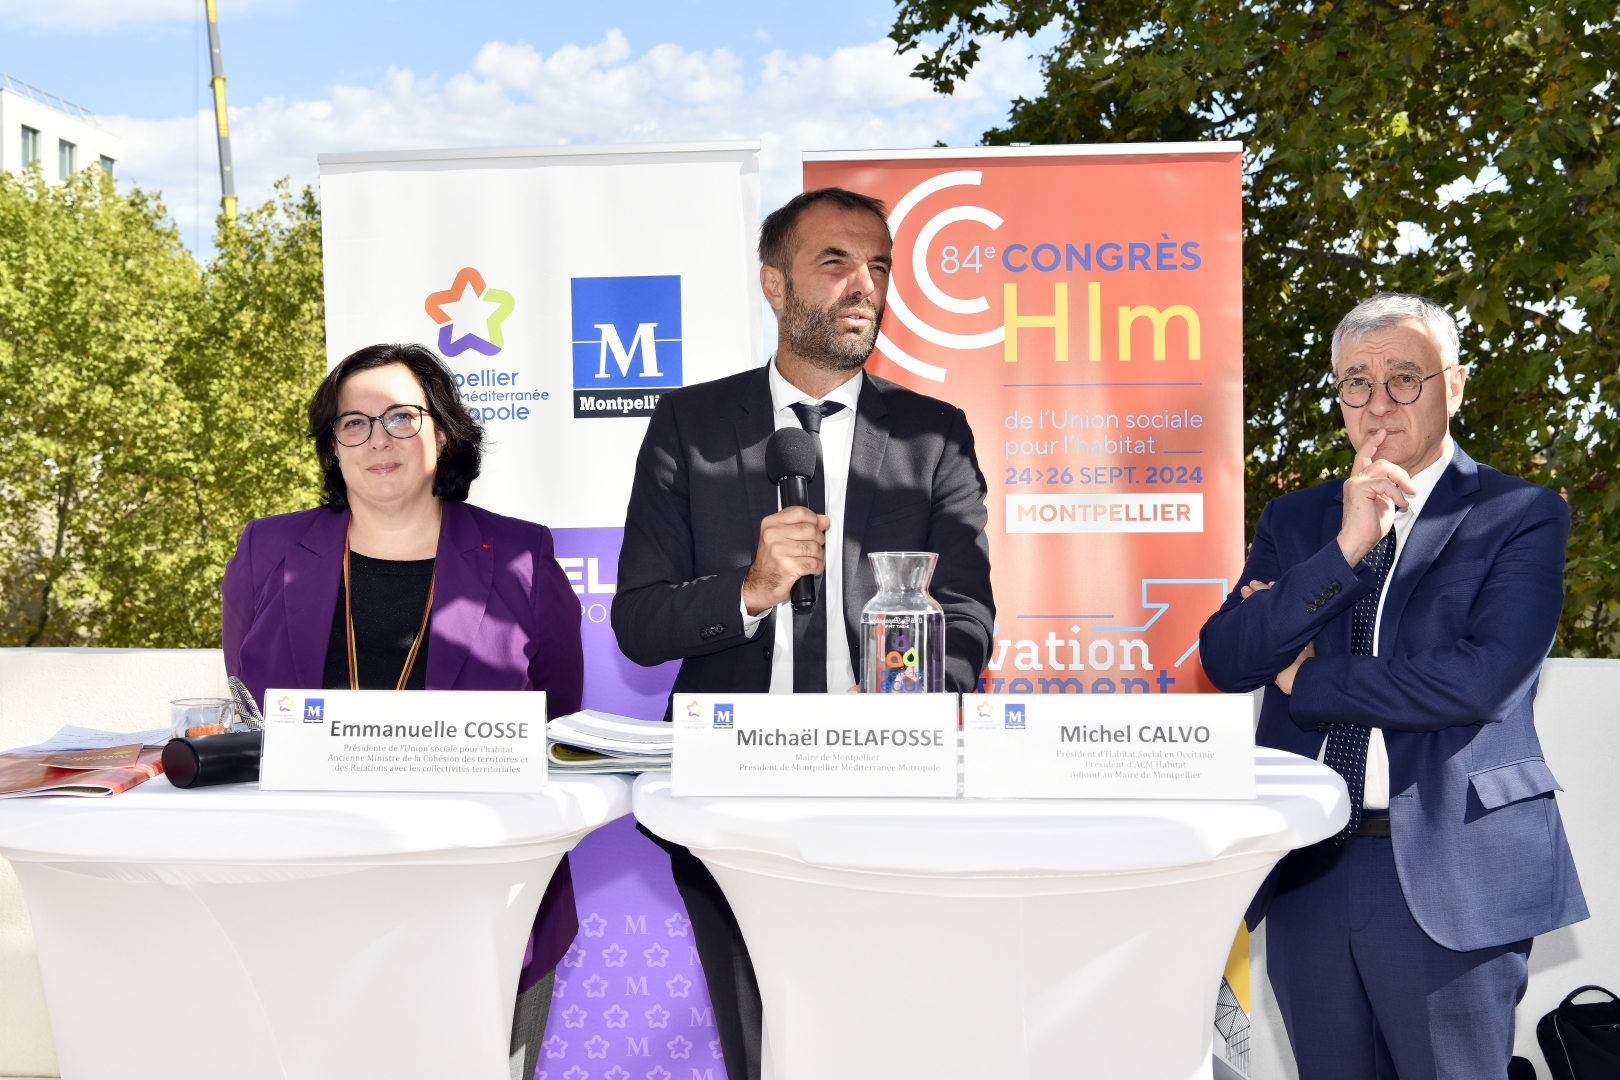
{"x": 1411, "y": 434}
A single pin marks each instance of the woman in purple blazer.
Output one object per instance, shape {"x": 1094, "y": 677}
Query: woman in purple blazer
{"x": 348, "y": 596}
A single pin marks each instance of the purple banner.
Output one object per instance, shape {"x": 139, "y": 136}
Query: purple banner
{"x": 590, "y": 558}
{"x": 630, "y": 1002}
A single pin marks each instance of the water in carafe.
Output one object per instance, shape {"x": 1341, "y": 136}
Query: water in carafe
{"x": 902, "y": 627}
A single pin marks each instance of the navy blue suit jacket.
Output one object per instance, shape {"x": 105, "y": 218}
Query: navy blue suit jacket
{"x": 1469, "y": 614}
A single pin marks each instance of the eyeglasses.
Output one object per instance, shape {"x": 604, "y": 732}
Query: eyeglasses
{"x": 1356, "y": 392}
{"x": 399, "y": 421}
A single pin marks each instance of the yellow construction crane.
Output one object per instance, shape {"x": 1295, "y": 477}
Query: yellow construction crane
{"x": 227, "y": 182}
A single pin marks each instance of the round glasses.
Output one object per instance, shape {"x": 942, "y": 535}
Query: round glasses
{"x": 1356, "y": 392}
{"x": 399, "y": 421}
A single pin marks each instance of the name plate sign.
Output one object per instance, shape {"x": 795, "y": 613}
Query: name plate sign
{"x": 421, "y": 740}
{"x": 849, "y": 745}
{"x": 1054, "y": 746}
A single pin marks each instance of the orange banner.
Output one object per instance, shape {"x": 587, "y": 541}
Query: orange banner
{"x": 1083, "y": 305}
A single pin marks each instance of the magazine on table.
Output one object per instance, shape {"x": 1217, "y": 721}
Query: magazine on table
{"x": 32, "y": 774}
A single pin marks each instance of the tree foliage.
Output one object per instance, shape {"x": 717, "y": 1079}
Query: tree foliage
{"x": 1465, "y": 150}
{"x": 149, "y": 407}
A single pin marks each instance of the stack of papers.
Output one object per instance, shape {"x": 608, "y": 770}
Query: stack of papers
{"x": 84, "y": 762}
{"x": 83, "y": 738}
{"x": 599, "y": 742}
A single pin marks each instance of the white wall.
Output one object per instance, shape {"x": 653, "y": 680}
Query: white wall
{"x": 90, "y": 140}
{"x": 1578, "y": 720}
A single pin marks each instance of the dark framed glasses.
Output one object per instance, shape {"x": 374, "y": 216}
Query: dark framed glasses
{"x": 1402, "y": 389}
{"x": 399, "y": 421}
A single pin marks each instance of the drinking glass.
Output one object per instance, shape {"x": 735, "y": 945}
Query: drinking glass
{"x": 201, "y": 716}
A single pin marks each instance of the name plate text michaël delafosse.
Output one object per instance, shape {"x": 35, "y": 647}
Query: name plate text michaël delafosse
{"x": 423, "y": 740}
{"x": 851, "y": 745}
{"x": 1173, "y": 746}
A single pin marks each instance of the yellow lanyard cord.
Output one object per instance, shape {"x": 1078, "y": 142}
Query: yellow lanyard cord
{"x": 348, "y": 616}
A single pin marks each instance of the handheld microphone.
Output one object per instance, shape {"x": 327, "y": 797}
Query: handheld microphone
{"x": 790, "y": 463}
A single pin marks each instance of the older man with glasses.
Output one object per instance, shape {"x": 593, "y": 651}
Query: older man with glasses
{"x": 1398, "y": 620}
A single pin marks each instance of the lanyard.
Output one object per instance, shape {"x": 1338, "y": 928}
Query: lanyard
{"x": 348, "y": 617}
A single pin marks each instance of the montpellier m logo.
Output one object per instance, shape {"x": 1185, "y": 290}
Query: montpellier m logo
{"x": 469, "y": 315}
{"x": 1014, "y": 717}
{"x": 724, "y": 716}
{"x": 626, "y": 342}
{"x": 314, "y": 710}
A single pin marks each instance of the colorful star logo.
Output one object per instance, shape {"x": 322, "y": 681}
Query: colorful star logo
{"x": 284, "y": 703}
{"x": 984, "y": 708}
{"x": 694, "y": 709}
{"x": 469, "y": 315}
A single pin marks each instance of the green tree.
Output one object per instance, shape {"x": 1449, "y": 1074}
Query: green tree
{"x": 1463, "y": 150}
{"x": 254, "y": 355}
{"x": 147, "y": 408}
{"x": 95, "y": 295}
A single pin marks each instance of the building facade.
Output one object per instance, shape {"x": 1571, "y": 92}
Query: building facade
{"x": 61, "y": 136}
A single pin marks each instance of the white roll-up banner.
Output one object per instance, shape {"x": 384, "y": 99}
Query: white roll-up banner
{"x": 568, "y": 288}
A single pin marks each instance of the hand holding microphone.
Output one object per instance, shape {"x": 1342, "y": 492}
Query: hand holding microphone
{"x": 792, "y": 541}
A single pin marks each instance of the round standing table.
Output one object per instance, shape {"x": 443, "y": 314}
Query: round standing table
{"x": 969, "y": 938}
{"x": 229, "y": 932}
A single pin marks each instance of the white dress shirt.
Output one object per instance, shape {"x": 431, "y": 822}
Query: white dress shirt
{"x": 1375, "y": 793}
{"x": 837, "y": 443}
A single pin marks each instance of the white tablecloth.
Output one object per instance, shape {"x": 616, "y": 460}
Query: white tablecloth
{"x": 229, "y": 932}
{"x": 1009, "y": 938}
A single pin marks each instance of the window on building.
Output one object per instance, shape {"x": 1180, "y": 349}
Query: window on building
{"x": 109, "y": 166}
{"x": 30, "y": 146}
{"x": 65, "y": 154}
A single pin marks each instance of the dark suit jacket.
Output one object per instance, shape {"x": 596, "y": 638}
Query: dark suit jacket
{"x": 700, "y": 492}
{"x": 1469, "y": 614}
{"x": 504, "y": 618}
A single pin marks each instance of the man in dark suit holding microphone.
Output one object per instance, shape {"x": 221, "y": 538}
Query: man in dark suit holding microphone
{"x": 710, "y": 556}
{"x": 1398, "y": 620}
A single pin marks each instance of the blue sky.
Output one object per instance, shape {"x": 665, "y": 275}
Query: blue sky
{"x": 306, "y": 77}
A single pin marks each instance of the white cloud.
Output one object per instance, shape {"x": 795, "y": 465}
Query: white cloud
{"x": 101, "y": 15}
{"x": 514, "y": 95}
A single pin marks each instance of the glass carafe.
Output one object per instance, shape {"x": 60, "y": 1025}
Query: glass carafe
{"x": 902, "y": 627}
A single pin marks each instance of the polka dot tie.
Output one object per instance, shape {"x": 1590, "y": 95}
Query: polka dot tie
{"x": 1347, "y": 743}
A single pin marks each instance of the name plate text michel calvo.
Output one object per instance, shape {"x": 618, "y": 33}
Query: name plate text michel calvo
{"x": 421, "y": 740}
{"x": 851, "y": 745}
{"x": 1135, "y": 746}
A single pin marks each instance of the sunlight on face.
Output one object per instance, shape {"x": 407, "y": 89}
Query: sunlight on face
{"x": 385, "y": 471}
{"x": 1414, "y": 432}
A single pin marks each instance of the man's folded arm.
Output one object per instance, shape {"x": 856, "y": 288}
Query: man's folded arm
{"x": 961, "y": 581}
{"x": 663, "y": 609}
{"x": 1247, "y": 642}
{"x": 1510, "y": 627}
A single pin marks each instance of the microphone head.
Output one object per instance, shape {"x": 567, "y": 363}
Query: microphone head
{"x": 790, "y": 452}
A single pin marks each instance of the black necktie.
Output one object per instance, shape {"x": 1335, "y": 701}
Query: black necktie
{"x": 1346, "y": 743}
{"x": 810, "y": 627}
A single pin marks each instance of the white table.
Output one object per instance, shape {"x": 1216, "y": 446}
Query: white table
{"x": 994, "y": 938}
{"x": 231, "y": 933}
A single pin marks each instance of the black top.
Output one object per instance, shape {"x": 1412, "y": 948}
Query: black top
{"x": 388, "y": 600}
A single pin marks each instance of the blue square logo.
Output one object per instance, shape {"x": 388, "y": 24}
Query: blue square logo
{"x": 724, "y": 715}
{"x": 314, "y": 710}
{"x": 1014, "y": 717}
{"x": 626, "y": 342}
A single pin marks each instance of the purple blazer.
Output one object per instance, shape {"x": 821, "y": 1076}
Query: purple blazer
{"x": 504, "y": 618}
